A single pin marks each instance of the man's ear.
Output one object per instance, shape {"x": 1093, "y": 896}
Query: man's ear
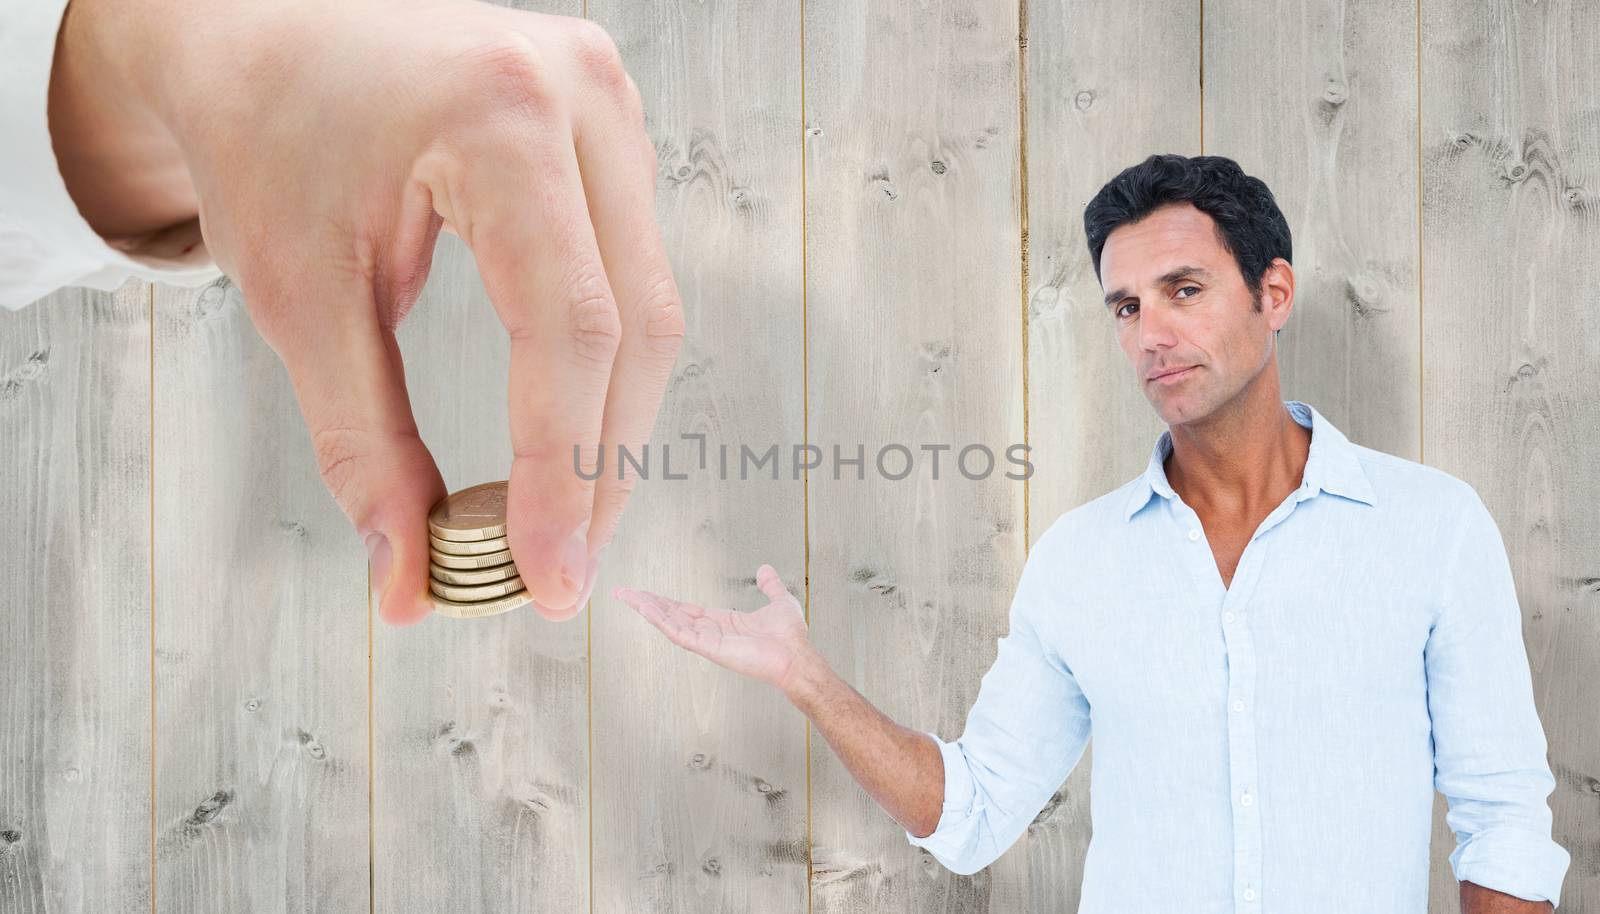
{"x": 1277, "y": 292}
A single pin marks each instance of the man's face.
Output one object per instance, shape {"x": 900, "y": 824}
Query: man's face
{"x": 1180, "y": 302}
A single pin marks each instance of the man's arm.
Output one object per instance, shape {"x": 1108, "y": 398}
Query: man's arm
{"x": 966, "y": 801}
{"x": 1475, "y": 899}
{"x": 899, "y": 767}
{"x": 1489, "y": 746}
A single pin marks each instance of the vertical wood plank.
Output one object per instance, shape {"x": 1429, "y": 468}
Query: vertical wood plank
{"x": 700, "y": 774}
{"x": 1093, "y": 109}
{"x": 1511, "y": 343}
{"x": 915, "y": 324}
{"x": 261, "y": 632}
{"x": 75, "y": 603}
{"x": 1319, "y": 99}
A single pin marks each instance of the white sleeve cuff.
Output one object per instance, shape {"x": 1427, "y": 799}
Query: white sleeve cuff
{"x": 45, "y": 243}
{"x": 1526, "y": 863}
{"x": 950, "y": 844}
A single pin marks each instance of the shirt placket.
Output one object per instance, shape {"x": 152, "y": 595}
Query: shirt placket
{"x": 1233, "y": 600}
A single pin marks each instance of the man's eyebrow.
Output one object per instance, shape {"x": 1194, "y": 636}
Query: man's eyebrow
{"x": 1170, "y": 276}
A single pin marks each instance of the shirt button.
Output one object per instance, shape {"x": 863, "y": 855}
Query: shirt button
{"x": 1194, "y": 535}
{"x": 1227, "y": 617}
{"x": 1249, "y": 894}
{"x": 1246, "y": 799}
{"x": 1238, "y": 705}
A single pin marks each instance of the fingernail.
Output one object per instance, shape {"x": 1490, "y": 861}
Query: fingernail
{"x": 575, "y": 560}
{"x": 588, "y": 584}
{"x": 378, "y": 553}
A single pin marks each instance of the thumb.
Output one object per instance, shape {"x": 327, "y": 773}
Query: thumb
{"x": 767, "y": 579}
{"x": 349, "y": 380}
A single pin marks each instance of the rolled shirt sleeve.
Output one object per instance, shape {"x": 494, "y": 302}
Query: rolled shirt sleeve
{"x": 1023, "y": 735}
{"x": 1489, "y": 745}
{"x": 45, "y": 243}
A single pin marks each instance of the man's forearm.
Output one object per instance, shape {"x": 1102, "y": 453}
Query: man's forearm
{"x": 899, "y": 767}
{"x": 1475, "y": 899}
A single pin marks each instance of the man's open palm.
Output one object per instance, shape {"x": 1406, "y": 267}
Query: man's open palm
{"x": 762, "y": 644}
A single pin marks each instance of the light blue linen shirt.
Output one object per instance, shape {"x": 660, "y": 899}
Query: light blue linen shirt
{"x": 1272, "y": 745}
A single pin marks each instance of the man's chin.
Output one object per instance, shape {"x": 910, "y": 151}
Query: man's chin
{"x": 1175, "y": 407}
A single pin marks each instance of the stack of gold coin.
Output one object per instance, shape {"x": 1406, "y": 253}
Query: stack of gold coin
{"x": 470, "y": 571}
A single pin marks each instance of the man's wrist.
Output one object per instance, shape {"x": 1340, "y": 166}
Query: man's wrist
{"x": 1477, "y": 899}
{"x": 807, "y": 680}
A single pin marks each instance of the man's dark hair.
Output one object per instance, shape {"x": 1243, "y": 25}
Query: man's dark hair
{"x": 1249, "y": 223}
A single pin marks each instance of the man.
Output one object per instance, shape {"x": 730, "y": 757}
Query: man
{"x": 313, "y": 152}
{"x": 1281, "y": 641}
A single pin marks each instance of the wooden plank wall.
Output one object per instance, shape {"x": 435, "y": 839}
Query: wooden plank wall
{"x": 75, "y": 624}
{"x": 874, "y": 212}
{"x": 914, "y": 307}
{"x": 260, "y": 630}
{"x": 699, "y": 776}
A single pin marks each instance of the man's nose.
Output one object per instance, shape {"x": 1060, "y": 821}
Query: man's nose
{"x": 1155, "y": 328}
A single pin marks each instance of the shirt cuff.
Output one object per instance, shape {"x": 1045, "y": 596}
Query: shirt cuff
{"x": 1514, "y": 861}
{"x": 45, "y": 243}
{"x": 956, "y": 807}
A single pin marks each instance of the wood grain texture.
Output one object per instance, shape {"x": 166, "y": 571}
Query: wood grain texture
{"x": 261, "y": 632}
{"x": 914, "y": 306}
{"x": 1093, "y": 110}
{"x": 699, "y": 789}
{"x": 1511, "y": 345}
{"x": 75, "y": 603}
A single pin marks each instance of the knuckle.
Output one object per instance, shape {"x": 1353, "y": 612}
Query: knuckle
{"x": 595, "y": 53}
{"x": 339, "y": 450}
{"x": 662, "y": 315}
{"x": 593, "y": 324}
{"x": 443, "y": 174}
{"x": 544, "y": 450}
{"x": 613, "y": 496}
{"x": 510, "y": 73}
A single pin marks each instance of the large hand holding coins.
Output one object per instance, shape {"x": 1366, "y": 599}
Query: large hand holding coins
{"x": 470, "y": 571}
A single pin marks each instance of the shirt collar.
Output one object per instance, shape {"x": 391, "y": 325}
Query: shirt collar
{"x": 1332, "y": 465}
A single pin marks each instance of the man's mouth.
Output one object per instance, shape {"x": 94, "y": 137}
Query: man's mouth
{"x": 1172, "y": 375}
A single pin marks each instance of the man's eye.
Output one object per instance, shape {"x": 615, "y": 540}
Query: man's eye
{"x": 1196, "y": 288}
{"x": 1128, "y": 305}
